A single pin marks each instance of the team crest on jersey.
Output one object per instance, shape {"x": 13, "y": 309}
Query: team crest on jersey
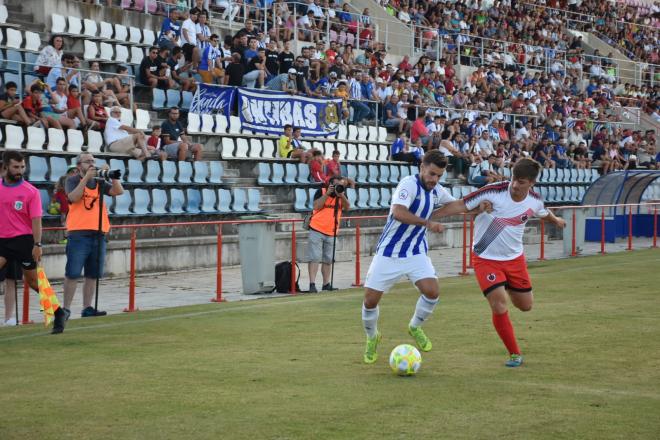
{"x": 524, "y": 218}
{"x": 403, "y": 195}
{"x": 491, "y": 277}
{"x": 18, "y": 205}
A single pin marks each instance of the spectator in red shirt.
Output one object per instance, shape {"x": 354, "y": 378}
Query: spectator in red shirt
{"x": 33, "y": 106}
{"x": 420, "y": 131}
{"x": 333, "y": 168}
{"x": 316, "y": 167}
{"x": 96, "y": 111}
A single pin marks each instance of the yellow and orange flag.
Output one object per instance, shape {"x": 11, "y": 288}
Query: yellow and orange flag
{"x": 47, "y": 299}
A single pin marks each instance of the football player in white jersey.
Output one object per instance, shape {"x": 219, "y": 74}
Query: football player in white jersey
{"x": 402, "y": 250}
{"x": 499, "y": 262}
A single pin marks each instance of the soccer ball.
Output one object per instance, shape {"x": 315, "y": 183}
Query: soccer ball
{"x": 405, "y": 360}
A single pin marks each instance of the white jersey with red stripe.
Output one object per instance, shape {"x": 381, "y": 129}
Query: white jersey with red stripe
{"x": 498, "y": 234}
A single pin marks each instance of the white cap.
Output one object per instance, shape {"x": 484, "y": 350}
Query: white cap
{"x": 292, "y": 70}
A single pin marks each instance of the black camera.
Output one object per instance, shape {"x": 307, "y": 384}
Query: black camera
{"x": 108, "y": 174}
{"x": 339, "y": 188}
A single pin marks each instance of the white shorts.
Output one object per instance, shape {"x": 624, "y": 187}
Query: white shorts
{"x": 385, "y": 271}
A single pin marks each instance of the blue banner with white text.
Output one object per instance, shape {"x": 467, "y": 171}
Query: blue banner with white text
{"x": 213, "y": 99}
{"x": 268, "y": 111}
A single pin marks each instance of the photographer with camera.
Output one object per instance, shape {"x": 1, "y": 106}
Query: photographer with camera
{"x": 87, "y": 226}
{"x": 323, "y": 226}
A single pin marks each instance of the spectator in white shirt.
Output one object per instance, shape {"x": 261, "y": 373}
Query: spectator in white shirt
{"x": 124, "y": 139}
{"x": 189, "y": 38}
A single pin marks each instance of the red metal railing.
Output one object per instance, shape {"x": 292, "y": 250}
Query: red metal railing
{"x": 466, "y": 257}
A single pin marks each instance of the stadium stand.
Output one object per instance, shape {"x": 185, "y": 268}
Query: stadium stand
{"x": 533, "y": 96}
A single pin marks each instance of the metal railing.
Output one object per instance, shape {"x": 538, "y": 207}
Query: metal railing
{"x": 467, "y": 240}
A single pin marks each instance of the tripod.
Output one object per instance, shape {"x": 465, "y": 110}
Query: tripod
{"x": 99, "y": 238}
{"x": 338, "y": 202}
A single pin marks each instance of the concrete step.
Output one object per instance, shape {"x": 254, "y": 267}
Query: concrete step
{"x": 240, "y": 181}
{"x": 276, "y": 207}
{"x": 230, "y": 173}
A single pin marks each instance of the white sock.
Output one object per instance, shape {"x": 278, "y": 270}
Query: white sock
{"x": 423, "y": 310}
{"x": 370, "y": 321}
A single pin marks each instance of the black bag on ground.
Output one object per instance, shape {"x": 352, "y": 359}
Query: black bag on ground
{"x": 283, "y": 277}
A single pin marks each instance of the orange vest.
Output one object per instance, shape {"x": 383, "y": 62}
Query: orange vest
{"x": 323, "y": 220}
{"x": 84, "y": 214}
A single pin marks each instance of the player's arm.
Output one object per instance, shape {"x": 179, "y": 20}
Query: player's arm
{"x": 458, "y": 207}
{"x": 402, "y": 214}
{"x": 551, "y": 218}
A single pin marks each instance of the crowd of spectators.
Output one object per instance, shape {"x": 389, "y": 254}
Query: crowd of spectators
{"x": 524, "y": 108}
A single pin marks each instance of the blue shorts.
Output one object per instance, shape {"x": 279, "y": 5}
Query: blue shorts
{"x": 81, "y": 252}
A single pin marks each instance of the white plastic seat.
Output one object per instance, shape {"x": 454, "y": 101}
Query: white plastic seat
{"x": 134, "y": 35}
{"x": 75, "y": 141}
{"x": 268, "y": 149}
{"x": 91, "y": 29}
{"x": 373, "y": 133}
{"x": 382, "y": 134}
{"x": 362, "y": 133}
{"x": 137, "y": 55}
{"x": 14, "y": 38}
{"x": 342, "y": 132}
{"x": 57, "y": 24}
{"x": 107, "y": 51}
{"x": 227, "y": 147}
{"x": 15, "y": 137}
{"x": 352, "y": 132}
{"x": 126, "y": 117}
{"x": 56, "y": 139}
{"x": 255, "y": 148}
{"x": 106, "y": 31}
{"x": 32, "y": 41}
{"x": 220, "y": 124}
{"x": 234, "y": 125}
{"x": 207, "y": 123}
{"x": 142, "y": 119}
{"x": 75, "y": 25}
{"x": 352, "y": 152}
{"x": 121, "y": 53}
{"x": 91, "y": 50}
{"x": 36, "y": 138}
{"x": 94, "y": 141}
{"x": 148, "y": 37}
{"x": 121, "y": 33}
{"x": 194, "y": 123}
{"x": 242, "y": 148}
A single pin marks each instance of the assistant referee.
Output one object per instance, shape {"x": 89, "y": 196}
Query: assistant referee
{"x": 20, "y": 224}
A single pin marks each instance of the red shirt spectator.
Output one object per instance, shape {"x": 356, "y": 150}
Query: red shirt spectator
{"x": 333, "y": 167}
{"x": 32, "y": 104}
{"x": 316, "y": 168}
{"x": 418, "y": 129}
{"x": 63, "y": 200}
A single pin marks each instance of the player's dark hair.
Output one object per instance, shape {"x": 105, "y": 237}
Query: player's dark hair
{"x": 8, "y": 155}
{"x": 526, "y": 168}
{"x": 435, "y": 157}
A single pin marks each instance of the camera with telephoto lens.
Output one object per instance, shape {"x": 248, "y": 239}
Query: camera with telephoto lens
{"x": 339, "y": 188}
{"x": 108, "y": 174}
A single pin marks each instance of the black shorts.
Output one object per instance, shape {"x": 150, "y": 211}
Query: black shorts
{"x": 11, "y": 271}
{"x": 19, "y": 249}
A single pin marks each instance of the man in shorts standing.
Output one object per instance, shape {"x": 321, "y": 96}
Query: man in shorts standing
{"x": 402, "y": 250}
{"x": 20, "y": 224}
{"x": 323, "y": 226}
{"x": 86, "y": 245}
{"x": 499, "y": 262}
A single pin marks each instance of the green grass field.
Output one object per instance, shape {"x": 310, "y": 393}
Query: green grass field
{"x": 291, "y": 368}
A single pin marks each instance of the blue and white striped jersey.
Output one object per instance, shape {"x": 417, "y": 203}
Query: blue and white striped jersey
{"x": 400, "y": 240}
